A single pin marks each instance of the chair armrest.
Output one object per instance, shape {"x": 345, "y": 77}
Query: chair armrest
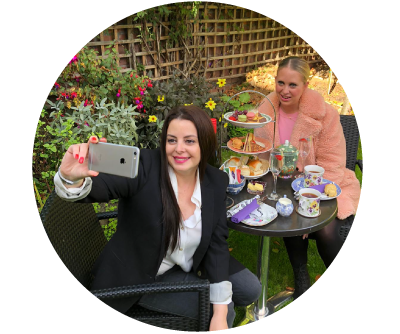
{"x": 203, "y": 287}
{"x": 360, "y": 164}
{"x": 107, "y": 215}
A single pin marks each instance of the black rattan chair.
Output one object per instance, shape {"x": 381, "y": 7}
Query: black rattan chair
{"x": 76, "y": 235}
{"x": 352, "y": 137}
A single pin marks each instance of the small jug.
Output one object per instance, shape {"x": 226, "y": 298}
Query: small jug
{"x": 284, "y": 206}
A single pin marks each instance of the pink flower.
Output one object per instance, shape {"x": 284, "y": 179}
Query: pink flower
{"x": 118, "y": 94}
{"x": 141, "y": 92}
{"x": 74, "y": 60}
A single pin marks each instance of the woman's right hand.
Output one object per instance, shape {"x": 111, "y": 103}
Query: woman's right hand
{"x": 74, "y": 165}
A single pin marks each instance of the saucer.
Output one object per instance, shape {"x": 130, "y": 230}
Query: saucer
{"x": 305, "y": 215}
{"x": 229, "y": 202}
{"x": 298, "y": 184}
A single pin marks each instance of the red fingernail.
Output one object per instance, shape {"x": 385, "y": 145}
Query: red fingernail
{"x": 76, "y": 156}
{"x": 93, "y": 138}
{"x": 81, "y": 160}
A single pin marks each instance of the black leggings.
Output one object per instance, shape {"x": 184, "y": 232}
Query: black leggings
{"x": 329, "y": 242}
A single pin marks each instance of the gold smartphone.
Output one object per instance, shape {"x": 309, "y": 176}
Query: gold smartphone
{"x": 114, "y": 159}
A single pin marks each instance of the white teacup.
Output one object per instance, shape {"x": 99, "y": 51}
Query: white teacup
{"x": 309, "y": 204}
{"x": 313, "y": 175}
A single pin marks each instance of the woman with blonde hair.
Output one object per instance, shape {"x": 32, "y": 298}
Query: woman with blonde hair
{"x": 302, "y": 112}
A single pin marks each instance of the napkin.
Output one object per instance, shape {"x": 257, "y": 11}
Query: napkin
{"x": 319, "y": 187}
{"x": 245, "y": 212}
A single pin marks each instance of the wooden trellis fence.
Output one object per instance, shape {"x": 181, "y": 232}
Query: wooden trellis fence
{"x": 227, "y": 42}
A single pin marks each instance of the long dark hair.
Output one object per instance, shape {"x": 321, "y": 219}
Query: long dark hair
{"x": 207, "y": 141}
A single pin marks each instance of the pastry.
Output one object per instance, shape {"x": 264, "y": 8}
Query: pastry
{"x": 245, "y": 170}
{"x": 237, "y": 143}
{"x": 330, "y": 190}
{"x": 250, "y": 115}
{"x": 255, "y": 186}
{"x": 256, "y": 167}
{"x": 233, "y": 162}
{"x": 242, "y": 118}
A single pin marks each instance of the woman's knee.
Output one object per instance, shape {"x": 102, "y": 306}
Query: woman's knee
{"x": 246, "y": 287}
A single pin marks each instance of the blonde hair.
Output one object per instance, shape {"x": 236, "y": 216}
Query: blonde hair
{"x": 297, "y": 64}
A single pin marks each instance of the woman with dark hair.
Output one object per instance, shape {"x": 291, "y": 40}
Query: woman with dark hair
{"x": 172, "y": 223}
{"x": 302, "y": 112}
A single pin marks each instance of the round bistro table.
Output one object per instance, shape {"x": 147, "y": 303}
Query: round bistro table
{"x": 294, "y": 225}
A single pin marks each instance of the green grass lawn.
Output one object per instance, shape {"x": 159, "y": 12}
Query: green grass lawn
{"x": 244, "y": 249}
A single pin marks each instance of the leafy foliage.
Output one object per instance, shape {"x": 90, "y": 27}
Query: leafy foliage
{"x": 48, "y": 150}
{"x": 179, "y": 91}
{"x": 88, "y": 78}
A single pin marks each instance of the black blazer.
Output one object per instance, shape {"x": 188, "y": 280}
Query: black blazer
{"x": 135, "y": 252}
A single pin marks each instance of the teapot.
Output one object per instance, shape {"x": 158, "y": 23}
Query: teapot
{"x": 291, "y": 155}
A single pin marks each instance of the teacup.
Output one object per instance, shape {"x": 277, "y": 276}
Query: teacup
{"x": 309, "y": 202}
{"x": 313, "y": 175}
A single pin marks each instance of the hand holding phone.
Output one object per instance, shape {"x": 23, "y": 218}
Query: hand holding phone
{"x": 74, "y": 165}
{"x": 114, "y": 159}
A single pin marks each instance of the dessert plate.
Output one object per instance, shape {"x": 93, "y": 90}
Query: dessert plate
{"x": 298, "y": 184}
{"x": 259, "y": 141}
{"x": 263, "y": 215}
{"x": 248, "y": 125}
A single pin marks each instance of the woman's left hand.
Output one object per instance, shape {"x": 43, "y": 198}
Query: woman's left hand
{"x": 218, "y": 320}
{"x": 305, "y": 236}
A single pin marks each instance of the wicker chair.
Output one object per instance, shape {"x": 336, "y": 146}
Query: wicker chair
{"x": 75, "y": 233}
{"x": 352, "y": 137}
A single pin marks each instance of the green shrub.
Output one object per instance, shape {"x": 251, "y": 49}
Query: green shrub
{"x": 51, "y": 142}
{"x": 88, "y": 78}
{"x": 180, "y": 91}
{"x": 110, "y": 228}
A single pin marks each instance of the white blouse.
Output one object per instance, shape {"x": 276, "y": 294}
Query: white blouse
{"x": 190, "y": 234}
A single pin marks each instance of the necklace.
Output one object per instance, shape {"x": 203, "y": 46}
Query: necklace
{"x": 289, "y": 116}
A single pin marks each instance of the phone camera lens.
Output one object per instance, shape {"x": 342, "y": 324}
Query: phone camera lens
{"x": 134, "y": 153}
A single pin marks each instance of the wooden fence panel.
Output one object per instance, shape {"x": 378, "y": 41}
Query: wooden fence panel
{"x": 233, "y": 41}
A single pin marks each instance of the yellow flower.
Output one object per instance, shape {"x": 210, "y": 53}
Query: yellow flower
{"x": 160, "y": 98}
{"x": 152, "y": 118}
{"x": 69, "y": 105}
{"x": 210, "y": 104}
{"x": 188, "y": 104}
{"x": 221, "y": 82}
{"x": 225, "y": 125}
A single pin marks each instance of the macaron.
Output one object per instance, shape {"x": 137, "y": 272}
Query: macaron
{"x": 242, "y": 118}
{"x": 250, "y": 115}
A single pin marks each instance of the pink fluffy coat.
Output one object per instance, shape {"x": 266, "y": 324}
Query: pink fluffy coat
{"x": 320, "y": 120}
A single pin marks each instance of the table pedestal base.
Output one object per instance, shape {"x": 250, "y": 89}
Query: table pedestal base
{"x": 273, "y": 303}
{"x": 253, "y": 315}
{"x": 280, "y": 298}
